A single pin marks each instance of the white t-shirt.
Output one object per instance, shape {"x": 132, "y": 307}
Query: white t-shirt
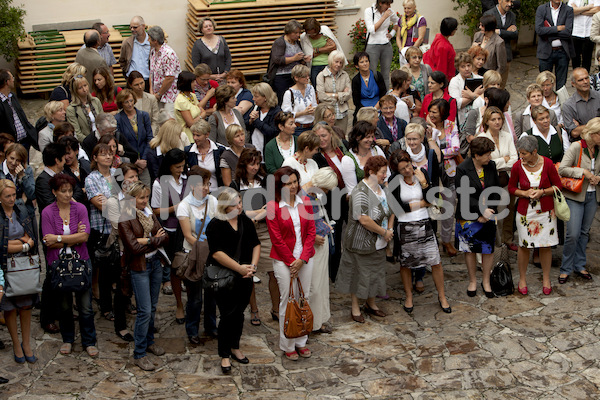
{"x": 410, "y": 194}
{"x": 258, "y": 138}
{"x": 157, "y": 201}
{"x": 306, "y": 171}
{"x": 197, "y": 213}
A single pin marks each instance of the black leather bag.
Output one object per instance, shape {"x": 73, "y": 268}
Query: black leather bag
{"x": 501, "y": 279}
{"x": 69, "y": 273}
{"x": 218, "y": 279}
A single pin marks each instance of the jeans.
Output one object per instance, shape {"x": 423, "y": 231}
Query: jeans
{"x": 560, "y": 61}
{"x": 193, "y": 308}
{"x": 231, "y": 307}
{"x": 584, "y": 48}
{"x": 381, "y": 53}
{"x": 314, "y": 71}
{"x": 298, "y": 131}
{"x": 578, "y": 233}
{"x": 146, "y": 288}
{"x": 87, "y": 328}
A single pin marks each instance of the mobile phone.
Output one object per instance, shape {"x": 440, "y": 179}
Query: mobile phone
{"x": 255, "y": 108}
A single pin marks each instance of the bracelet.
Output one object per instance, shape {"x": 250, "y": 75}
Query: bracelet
{"x": 26, "y": 247}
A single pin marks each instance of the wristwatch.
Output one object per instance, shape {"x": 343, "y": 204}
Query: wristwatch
{"x": 59, "y": 239}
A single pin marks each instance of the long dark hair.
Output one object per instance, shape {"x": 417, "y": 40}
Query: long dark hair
{"x": 248, "y": 156}
{"x": 278, "y": 175}
{"x": 107, "y": 94}
{"x": 172, "y": 157}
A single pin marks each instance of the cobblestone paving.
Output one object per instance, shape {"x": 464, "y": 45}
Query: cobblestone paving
{"x": 516, "y": 347}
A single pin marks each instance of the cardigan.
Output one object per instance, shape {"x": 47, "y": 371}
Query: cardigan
{"x": 385, "y": 130}
{"x": 490, "y": 179}
{"x": 217, "y": 127}
{"x": 52, "y": 224}
{"x": 218, "y": 63}
{"x": 356, "y": 82}
{"x": 277, "y": 57}
{"x": 283, "y": 236}
{"x": 519, "y": 180}
{"x": 267, "y": 126}
{"x": 273, "y": 158}
{"x": 568, "y": 168}
{"x": 76, "y": 117}
{"x": 192, "y": 159}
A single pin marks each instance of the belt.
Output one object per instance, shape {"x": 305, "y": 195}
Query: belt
{"x": 299, "y": 125}
{"x": 556, "y": 48}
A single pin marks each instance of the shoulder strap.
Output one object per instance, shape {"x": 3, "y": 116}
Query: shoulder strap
{"x": 430, "y": 155}
{"x": 238, "y": 252}
{"x": 292, "y": 98}
{"x": 203, "y": 219}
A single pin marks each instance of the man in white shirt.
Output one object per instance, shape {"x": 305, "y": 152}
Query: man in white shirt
{"x": 582, "y": 24}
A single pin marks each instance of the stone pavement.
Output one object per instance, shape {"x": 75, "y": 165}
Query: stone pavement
{"x": 516, "y": 347}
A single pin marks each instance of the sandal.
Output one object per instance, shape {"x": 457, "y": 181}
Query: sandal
{"x": 92, "y": 351}
{"x": 110, "y": 316}
{"x": 255, "y": 320}
{"x": 66, "y": 348}
{"x": 167, "y": 289}
{"x": 132, "y": 310}
{"x": 293, "y": 356}
{"x": 304, "y": 352}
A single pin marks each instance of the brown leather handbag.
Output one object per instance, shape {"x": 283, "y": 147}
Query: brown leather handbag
{"x": 298, "y": 315}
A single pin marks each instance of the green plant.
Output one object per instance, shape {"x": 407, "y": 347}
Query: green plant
{"x": 470, "y": 12}
{"x": 11, "y": 28}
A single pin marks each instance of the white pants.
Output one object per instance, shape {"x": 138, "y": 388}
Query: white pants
{"x": 319, "y": 286}
{"x": 282, "y": 274}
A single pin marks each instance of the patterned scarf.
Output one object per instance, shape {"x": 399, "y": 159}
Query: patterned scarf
{"x": 146, "y": 221}
{"x": 339, "y": 154}
{"x": 406, "y": 25}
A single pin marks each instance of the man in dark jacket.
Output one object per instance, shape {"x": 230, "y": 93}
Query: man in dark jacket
{"x": 12, "y": 117}
{"x": 507, "y": 29}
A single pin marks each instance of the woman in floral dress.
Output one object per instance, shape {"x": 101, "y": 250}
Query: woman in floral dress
{"x": 531, "y": 181}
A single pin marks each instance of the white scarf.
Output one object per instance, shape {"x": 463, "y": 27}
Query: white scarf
{"x": 420, "y": 156}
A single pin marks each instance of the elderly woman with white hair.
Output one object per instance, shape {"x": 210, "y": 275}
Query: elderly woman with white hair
{"x": 301, "y": 99}
{"x": 532, "y": 180}
{"x": 55, "y": 112}
{"x": 321, "y": 183}
{"x": 334, "y": 87}
{"x": 164, "y": 69}
{"x": 581, "y": 161}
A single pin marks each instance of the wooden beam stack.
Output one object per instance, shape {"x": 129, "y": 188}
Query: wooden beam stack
{"x": 250, "y": 27}
{"x": 44, "y": 56}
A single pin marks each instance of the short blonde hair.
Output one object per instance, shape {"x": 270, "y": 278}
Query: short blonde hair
{"x": 137, "y": 188}
{"x": 534, "y": 87}
{"x": 491, "y": 77}
{"x": 538, "y": 110}
{"x": 414, "y": 128}
{"x": 487, "y": 115}
{"x": 202, "y": 21}
{"x": 593, "y": 126}
{"x": 409, "y": 2}
{"x": 265, "y": 90}
{"x": 201, "y": 126}
{"x": 5, "y": 184}
{"x": 335, "y": 56}
{"x": 300, "y": 70}
{"x": 224, "y": 201}
{"x": 367, "y": 114}
{"x": 231, "y": 131}
{"x": 462, "y": 58}
{"x": 545, "y": 76}
{"x": 51, "y": 107}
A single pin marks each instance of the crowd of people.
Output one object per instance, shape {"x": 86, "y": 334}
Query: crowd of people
{"x": 180, "y": 172}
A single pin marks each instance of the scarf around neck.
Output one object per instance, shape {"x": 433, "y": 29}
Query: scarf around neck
{"x": 146, "y": 221}
{"x": 406, "y": 25}
{"x": 417, "y": 158}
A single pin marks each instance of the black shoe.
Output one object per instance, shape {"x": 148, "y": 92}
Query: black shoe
{"x": 586, "y": 275}
{"x": 194, "y": 339}
{"x": 390, "y": 259}
{"x": 126, "y": 337}
{"x": 214, "y": 333}
{"x": 471, "y": 293}
{"x": 226, "y": 370}
{"x": 274, "y": 315}
{"x": 447, "y": 310}
{"x": 489, "y": 295}
{"x": 2, "y": 346}
{"x": 240, "y": 360}
{"x": 180, "y": 321}
{"x": 3, "y": 380}
{"x": 409, "y": 310}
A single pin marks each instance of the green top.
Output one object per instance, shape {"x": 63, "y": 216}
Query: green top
{"x": 321, "y": 59}
{"x": 273, "y": 158}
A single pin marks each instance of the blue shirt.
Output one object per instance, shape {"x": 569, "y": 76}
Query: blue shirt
{"x": 139, "y": 58}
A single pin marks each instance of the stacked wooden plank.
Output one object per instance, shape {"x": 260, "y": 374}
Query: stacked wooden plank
{"x": 250, "y": 27}
{"x": 44, "y": 56}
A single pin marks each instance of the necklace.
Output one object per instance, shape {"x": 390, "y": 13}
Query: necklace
{"x": 534, "y": 165}
{"x": 11, "y": 217}
{"x": 228, "y": 122}
{"x": 190, "y": 97}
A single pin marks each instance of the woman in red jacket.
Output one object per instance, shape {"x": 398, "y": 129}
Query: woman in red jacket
{"x": 293, "y": 238}
{"x": 531, "y": 180}
{"x": 440, "y": 57}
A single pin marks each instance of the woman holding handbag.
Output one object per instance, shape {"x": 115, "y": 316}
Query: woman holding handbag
{"x": 194, "y": 213}
{"x": 581, "y": 161}
{"x": 18, "y": 236}
{"x": 293, "y": 238}
{"x": 531, "y": 181}
{"x": 234, "y": 246}
{"x": 66, "y": 227}
{"x": 143, "y": 237}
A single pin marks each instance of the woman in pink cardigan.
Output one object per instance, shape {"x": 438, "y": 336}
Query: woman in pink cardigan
{"x": 531, "y": 181}
{"x": 293, "y": 238}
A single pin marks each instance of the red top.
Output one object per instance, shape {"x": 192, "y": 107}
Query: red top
{"x": 112, "y": 106}
{"x": 200, "y": 94}
{"x": 440, "y": 56}
{"x": 427, "y": 100}
{"x": 283, "y": 236}
{"x": 519, "y": 180}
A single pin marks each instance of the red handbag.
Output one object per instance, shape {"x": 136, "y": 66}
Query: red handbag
{"x": 575, "y": 185}
{"x": 298, "y": 315}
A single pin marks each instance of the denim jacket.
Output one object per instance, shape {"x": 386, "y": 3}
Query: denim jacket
{"x": 25, "y": 185}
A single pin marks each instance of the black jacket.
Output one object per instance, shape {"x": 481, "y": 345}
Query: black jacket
{"x": 267, "y": 126}
{"x": 356, "y": 90}
{"x": 7, "y": 122}
{"x": 192, "y": 159}
{"x": 475, "y": 200}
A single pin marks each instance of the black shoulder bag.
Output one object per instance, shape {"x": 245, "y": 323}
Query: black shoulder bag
{"x": 219, "y": 279}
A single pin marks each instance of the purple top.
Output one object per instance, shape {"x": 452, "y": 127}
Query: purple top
{"x": 52, "y": 224}
{"x": 413, "y": 34}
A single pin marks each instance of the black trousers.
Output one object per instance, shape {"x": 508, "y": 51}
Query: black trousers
{"x": 231, "y": 307}
{"x": 584, "y": 52}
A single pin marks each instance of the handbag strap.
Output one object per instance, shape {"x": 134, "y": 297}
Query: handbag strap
{"x": 580, "y": 154}
{"x": 203, "y": 219}
{"x": 238, "y": 252}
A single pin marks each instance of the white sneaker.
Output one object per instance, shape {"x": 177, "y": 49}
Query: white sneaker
{"x": 255, "y": 279}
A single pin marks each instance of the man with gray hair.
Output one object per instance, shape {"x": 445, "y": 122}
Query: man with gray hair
{"x": 135, "y": 50}
{"x": 582, "y": 106}
{"x": 89, "y": 57}
{"x": 104, "y": 48}
{"x": 106, "y": 124}
{"x": 164, "y": 69}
